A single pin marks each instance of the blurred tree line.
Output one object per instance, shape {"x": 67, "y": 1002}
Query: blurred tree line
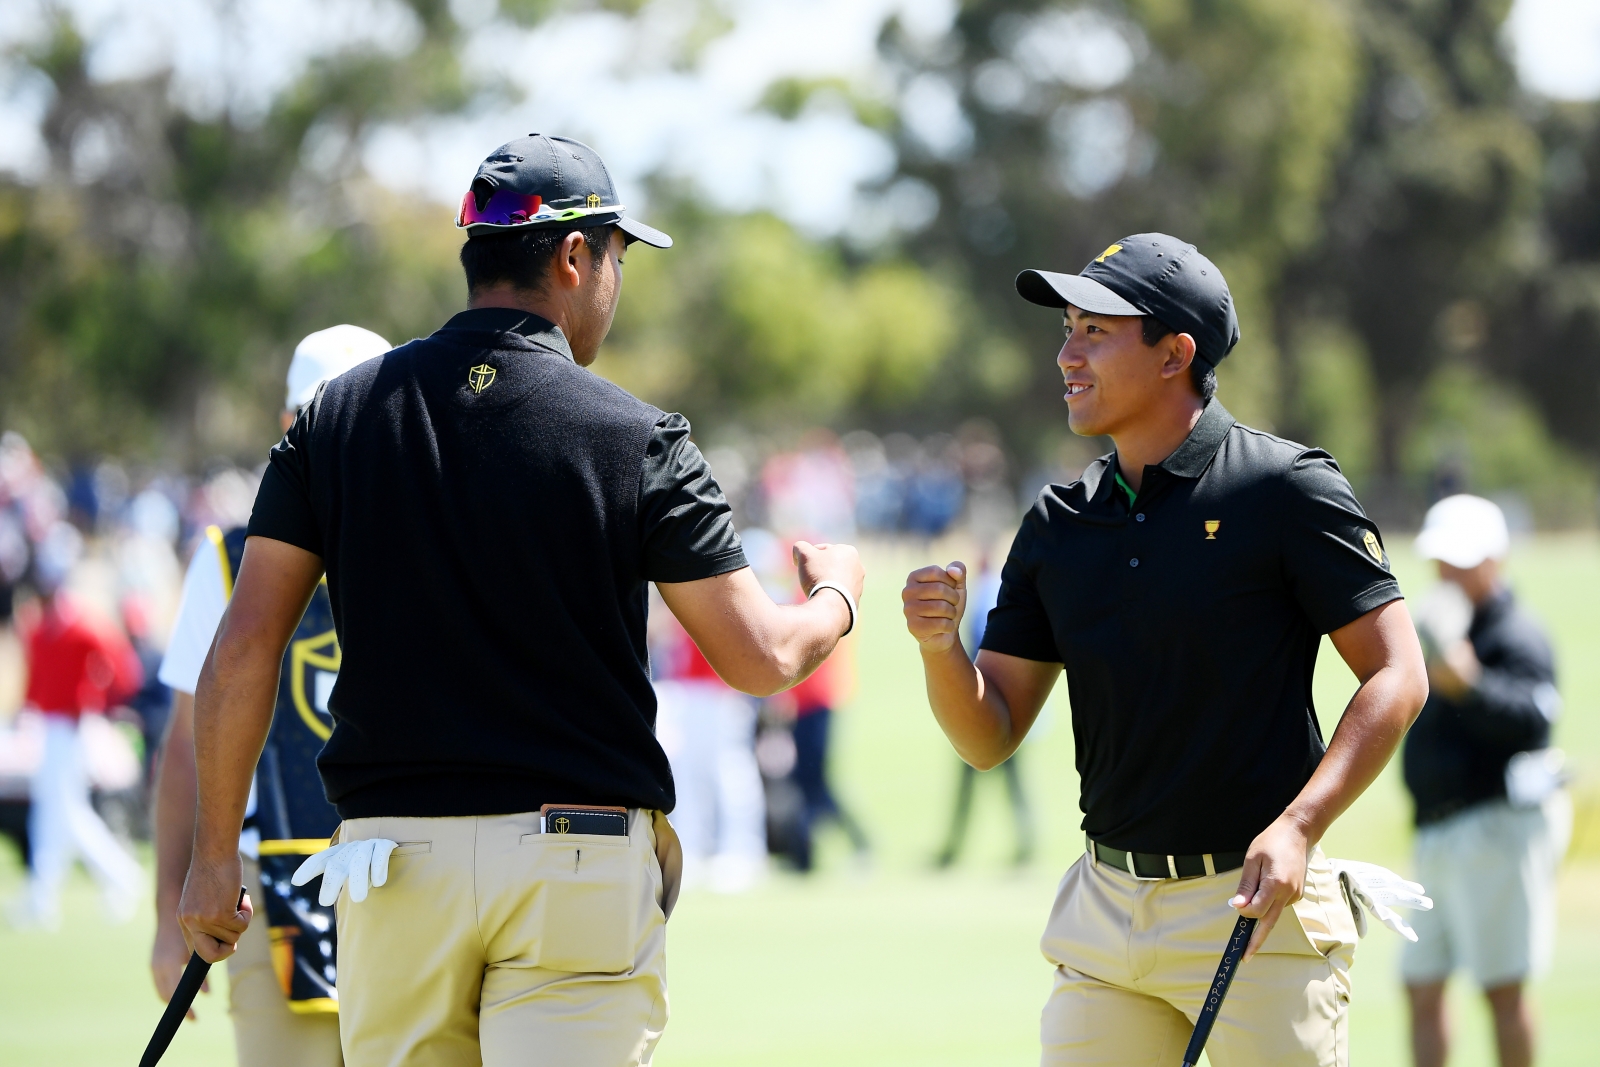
{"x": 1413, "y": 242}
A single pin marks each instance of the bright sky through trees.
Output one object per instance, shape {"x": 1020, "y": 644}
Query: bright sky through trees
{"x": 646, "y": 109}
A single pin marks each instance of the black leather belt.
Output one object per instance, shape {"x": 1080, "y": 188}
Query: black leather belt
{"x": 1154, "y": 867}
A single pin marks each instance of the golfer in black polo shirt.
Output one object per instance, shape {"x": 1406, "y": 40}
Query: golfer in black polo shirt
{"x": 1184, "y": 582}
{"x": 488, "y": 513}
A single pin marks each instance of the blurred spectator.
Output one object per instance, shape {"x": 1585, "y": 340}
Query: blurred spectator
{"x": 75, "y": 665}
{"x": 707, "y": 730}
{"x": 935, "y": 493}
{"x": 991, "y": 508}
{"x": 1492, "y": 818}
{"x": 983, "y": 594}
{"x": 880, "y": 486}
{"x": 811, "y": 492}
{"x": 923, "y": 488}
{"x": 152, "y": 702}
{"x": 811, "y": 496}
{"x": 811, "y": 705}
{"x": 148, "y": 570}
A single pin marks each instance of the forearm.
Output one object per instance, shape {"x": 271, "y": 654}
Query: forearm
{"x": 175, "y": 793}
{"x": 1367, "y": 736}
{"x": 233, "y": 711}
{"x": 786, "y": 643}
{"x": 972, "y": 713}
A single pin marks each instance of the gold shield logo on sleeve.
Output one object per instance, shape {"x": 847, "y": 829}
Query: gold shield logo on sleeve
{"x": 480, "y": 377}
{"x": 1374, "y": 549}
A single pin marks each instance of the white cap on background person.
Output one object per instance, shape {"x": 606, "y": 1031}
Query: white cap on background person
{"x": 328, "y": 354}
{"x": 1463, "y": 531}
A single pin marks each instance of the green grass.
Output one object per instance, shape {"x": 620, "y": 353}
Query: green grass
{"x": 898, "y": 965}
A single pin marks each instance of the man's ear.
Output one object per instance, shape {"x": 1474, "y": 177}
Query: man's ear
{"x": 1180, "y": 353}
{"x": 570, "y": 265}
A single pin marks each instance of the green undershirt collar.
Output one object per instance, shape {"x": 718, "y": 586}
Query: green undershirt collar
{"x": 1126, "y": 488}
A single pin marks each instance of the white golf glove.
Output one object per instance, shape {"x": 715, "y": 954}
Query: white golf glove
{"x": 1366, "y": 885}
{"x": 362, "y": 863}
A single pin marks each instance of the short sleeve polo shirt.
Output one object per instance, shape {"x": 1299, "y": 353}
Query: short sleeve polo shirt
{"x": 488, "y": 514}
{"x": 1188, "y": 621}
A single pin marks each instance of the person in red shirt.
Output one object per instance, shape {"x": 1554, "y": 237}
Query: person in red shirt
{"x": 76, "y": 664}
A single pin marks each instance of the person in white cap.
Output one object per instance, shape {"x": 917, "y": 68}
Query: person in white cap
{"x": 1489, "y": 808}
{"x": 281, "y": 981}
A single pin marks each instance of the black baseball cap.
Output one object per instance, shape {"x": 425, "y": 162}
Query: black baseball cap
{"x": 1148, "y": 274}
{"x": 540, "y": 180}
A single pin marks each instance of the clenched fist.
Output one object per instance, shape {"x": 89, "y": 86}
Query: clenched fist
{"x": 830, "y": 563}
{"x": 935, "y": 599}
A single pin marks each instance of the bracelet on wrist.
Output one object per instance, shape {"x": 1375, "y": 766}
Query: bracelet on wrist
{"x": 849, "y": 601}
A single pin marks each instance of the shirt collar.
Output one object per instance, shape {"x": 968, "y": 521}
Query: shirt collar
{"x": 1190, "y": 459}
{"x": 539, "y": 330}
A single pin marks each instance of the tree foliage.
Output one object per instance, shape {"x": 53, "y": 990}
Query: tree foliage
{"x": 749, "y": 321}
{"x": 1367, "y": 172}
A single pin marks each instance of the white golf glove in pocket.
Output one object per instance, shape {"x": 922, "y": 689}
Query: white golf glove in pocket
{"x": 1372, "y": 888}
{"x": 362, "y": 863}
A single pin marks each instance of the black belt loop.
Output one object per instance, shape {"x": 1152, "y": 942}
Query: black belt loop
{"x": 1155, "y": 867}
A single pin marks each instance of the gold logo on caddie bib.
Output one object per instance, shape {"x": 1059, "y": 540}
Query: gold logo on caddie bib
{"x": 1374, "y": 549}
{"x": 480, "y": 377}
{"x": 562, "y": 824}
{"x": 1212, "y": 526}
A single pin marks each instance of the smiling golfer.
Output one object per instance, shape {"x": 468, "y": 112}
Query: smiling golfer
{"x": 488, "y": 512}
{"x": 1184, "y": 582}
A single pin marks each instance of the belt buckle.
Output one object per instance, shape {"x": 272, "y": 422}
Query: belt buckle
{"x": 1133, "y": 869}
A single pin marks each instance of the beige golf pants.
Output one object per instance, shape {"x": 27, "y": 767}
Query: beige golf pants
{"x": 493, "y": 943}
{"x": 1134, "y": 960}
{"x": 265, "y": 1032}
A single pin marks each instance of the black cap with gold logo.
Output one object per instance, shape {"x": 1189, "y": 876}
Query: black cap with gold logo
{"x": 1148, "y": 274}
{"x": 539, "y": 180}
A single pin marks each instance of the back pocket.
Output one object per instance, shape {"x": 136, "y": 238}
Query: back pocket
{"x": 586, "y": 914}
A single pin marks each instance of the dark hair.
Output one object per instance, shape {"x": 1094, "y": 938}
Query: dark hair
{"x": 1201, "y": 373}
{"x": 522, "y": 257}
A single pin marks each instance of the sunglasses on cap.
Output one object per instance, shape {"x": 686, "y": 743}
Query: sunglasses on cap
{"x": 507, "y": 208}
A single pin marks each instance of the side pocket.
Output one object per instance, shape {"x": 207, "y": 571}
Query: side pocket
{"x": 1323, "y": 912}
{"x": 587, "y": 907}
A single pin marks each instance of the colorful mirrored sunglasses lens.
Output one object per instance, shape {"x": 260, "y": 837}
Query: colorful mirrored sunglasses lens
{"x": 504, "y": 208}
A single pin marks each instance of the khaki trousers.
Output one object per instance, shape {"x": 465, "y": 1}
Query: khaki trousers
{"x": 265, "y": 1032}
{"x": 493, "y": 943}
{"x": 1134, "y": 961}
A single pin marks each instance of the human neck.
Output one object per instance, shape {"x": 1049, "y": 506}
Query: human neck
{"x": 533, "y": 301}
{"x": 1155, "y": 434}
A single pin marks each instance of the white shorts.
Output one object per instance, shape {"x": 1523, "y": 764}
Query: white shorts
{"x": 1491, "y": 871}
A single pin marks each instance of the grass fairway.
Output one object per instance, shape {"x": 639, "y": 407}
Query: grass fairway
{"x": 898, "y": 965}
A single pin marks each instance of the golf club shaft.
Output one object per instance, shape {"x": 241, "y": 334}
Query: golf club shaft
{"x": 1219, "y": 988}
{"x": 194, "y": 976}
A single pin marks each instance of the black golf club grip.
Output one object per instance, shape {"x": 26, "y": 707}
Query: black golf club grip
{"x": 1219, "y": 988}
{"x": 194, "y": 976}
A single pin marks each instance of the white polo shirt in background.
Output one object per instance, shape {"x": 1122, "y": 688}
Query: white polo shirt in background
{"x": 199, "y": 614}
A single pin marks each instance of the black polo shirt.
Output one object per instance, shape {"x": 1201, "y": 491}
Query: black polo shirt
{"x": 1188, "y": 622}
{"x": 488, "y": 514}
